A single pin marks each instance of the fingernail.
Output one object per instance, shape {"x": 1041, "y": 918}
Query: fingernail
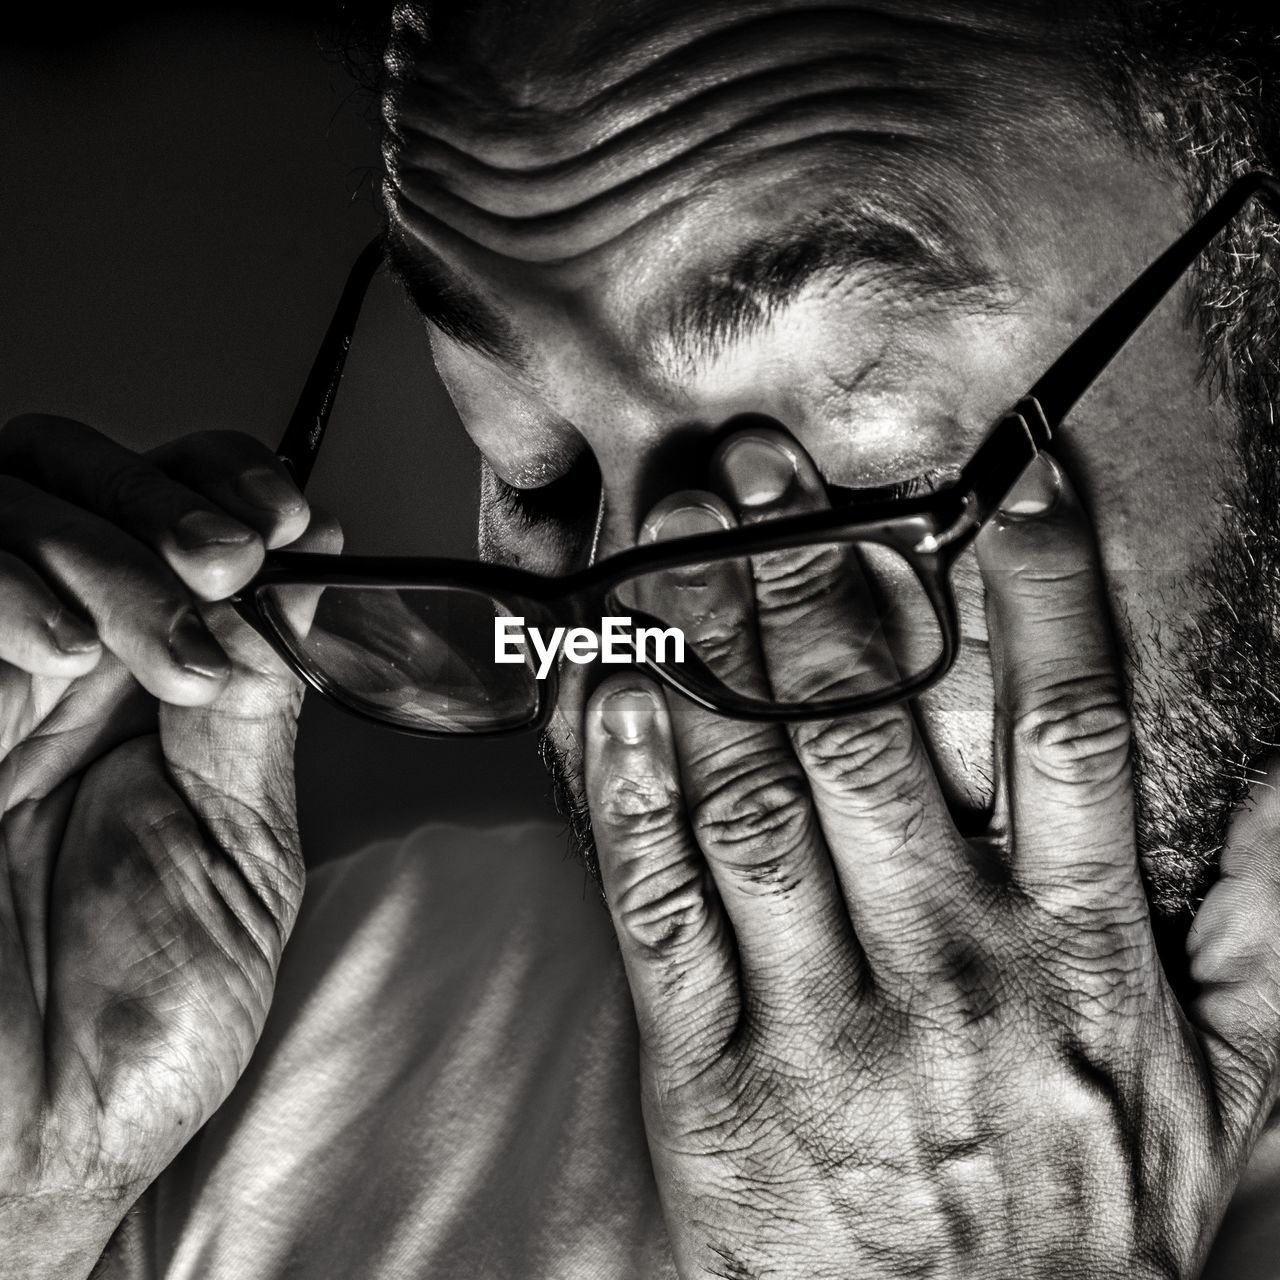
{"x": 269, "y": 490}
{"x": 757, "y": 471}
{"x": 199, "y": 529}
{"x": 628, "y": 715}
{"x": 194, "y": 649}
{"x": 1036, "y": 492}
{"x": 71, "y": 635}
{"x": 682, "y": 516}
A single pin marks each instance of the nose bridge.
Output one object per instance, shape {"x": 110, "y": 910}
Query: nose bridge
{"x": 619, "y": 517}
{"x": 638, "y": 471}
{"x": 649, "y": 436}
{"x": 642, "y": 463}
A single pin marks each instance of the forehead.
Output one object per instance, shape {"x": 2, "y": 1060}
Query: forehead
{"x": 595, "y": 166}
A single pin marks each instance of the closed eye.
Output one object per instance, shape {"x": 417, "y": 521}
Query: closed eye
{"x": 926, "y": 482}
{"x": 571, "y": 499}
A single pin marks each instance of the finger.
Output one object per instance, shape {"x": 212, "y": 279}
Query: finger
{"x": 1234, "y": 952}
{"x": 748, "y": 803}
{"x": 38, "y": 633}
{"x": 885, "y": 820}
{"x": 827, "y": 610}
{"x": 294, "y": 606}
{"x": 385, "y": 648}
{"x": 322, "y": 536}
{"x": 1059, "y": 690}
{"x": 232, "y": 760}
{"x": 241, "y": 476}
{"x": 212, "y": 553}
{"x": 674, "y": 938}
{"x": 137, "y": 605}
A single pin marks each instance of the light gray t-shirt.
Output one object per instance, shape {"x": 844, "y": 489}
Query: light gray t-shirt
{"x": 446, "y": 1087}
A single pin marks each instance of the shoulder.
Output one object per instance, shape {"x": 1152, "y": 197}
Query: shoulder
{"x": 449, "y": 881}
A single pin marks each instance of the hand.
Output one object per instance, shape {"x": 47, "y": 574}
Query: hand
{"x": 872, "y": 1048}
{"x": 151, "y": 870}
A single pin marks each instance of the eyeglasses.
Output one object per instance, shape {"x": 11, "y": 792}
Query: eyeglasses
{"x": 413, "y": 643}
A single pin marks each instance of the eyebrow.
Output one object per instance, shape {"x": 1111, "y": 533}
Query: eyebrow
{"x": 734, "y": 299}
{"x": 445, "y": 298}
{"x": 740, "y": 296}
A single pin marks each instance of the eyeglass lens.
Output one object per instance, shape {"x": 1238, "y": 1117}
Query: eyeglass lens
{"x": 418, "y": 657}
{"x": 811, "y": 625}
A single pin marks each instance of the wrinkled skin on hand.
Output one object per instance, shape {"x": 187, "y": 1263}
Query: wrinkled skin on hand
{"x": 871, "y": 1046}
{"x": 148, "y": 834}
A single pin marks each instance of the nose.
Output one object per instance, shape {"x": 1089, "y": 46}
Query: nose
{"x": 633, "y": 481}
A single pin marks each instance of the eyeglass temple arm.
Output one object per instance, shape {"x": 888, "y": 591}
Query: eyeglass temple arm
{"x": 302, "y": 437}
{"x": 1003, "y": 456}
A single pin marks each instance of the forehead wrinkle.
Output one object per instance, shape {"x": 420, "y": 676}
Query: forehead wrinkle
{"x": 827, "y": 87}
{"x": 551, "y": 201}
{"x": 547, "y": 182}
{"x": 770, "y": 156}
{"x": 909, "y": 189}
{"x": 634, "y": 73}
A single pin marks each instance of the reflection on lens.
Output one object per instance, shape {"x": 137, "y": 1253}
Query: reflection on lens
{"x": 420, "y": 657}
{"x": 848, "y": 620}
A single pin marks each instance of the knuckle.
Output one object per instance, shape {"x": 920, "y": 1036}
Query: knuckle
{"x": 717, "y": 637}
{"x": 36, "y": 520}
{"x": 1076, "y": 733}
{"x": 238, "y": 444}
{"x": 750, "y": 812}
{"x": 214, "y": 453}
{"x": 17, "y": 433}
{"x": 126, "y": 487}
{"x": 794, "y": 581}
{"x": 637, "y": 804}
{"x": 868, "y": 755}
{"x": 15, "y": 496}
{"x": 144, "y": 607}
{"x": 664, "y": 909}
{"x": 1049, "y": 584}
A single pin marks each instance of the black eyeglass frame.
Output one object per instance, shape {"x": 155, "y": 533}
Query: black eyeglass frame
{"x": 929, "y": 531}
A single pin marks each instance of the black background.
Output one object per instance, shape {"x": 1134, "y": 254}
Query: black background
{"x": 181, "y": 193}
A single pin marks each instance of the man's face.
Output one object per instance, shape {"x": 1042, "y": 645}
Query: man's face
{"x": 876, "y": 228}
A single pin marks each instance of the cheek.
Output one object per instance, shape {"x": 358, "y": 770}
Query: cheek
{"x": 562, "y": 749}
{"x": 1147, "y": 448}
{"x": 565, "y": 730}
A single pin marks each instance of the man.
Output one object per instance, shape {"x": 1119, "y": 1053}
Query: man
{"x": 899, "y": 1004}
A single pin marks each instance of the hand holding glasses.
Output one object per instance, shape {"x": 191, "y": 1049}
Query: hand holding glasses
{"x": 409, "y": 642}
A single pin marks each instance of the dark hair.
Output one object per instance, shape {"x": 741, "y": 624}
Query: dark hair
{"x": 358, "y": 33}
